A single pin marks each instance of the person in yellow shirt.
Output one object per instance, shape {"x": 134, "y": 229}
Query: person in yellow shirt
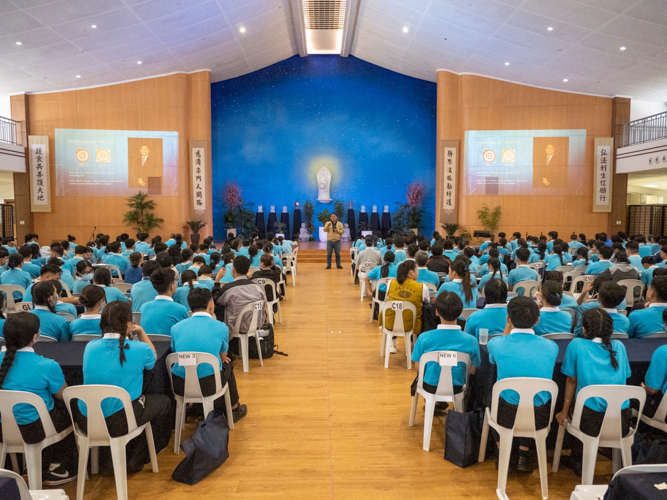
{"x": 334, "y": 229}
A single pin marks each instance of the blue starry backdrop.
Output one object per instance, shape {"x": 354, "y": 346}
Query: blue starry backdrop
{"x": 273, "y": 129}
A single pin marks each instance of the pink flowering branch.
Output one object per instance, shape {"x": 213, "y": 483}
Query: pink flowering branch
{"x": 232, "y": 195}
{"x": 414, "y": 194}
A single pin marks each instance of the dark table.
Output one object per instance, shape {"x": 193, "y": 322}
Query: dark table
{"x": 638, "y": 486}
{"x": 69, "y": 356}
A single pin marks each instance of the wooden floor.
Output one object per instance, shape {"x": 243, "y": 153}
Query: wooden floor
{"x": 330, "y": 421}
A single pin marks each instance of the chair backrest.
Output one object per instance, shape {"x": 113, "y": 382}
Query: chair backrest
{"x": 136, "y": 317}
{"x": 381, "y": 281}
{"x": 641, "y": 469}
{"x": 615, "y": 396}
{"x": 8, "y": 290}
{"x": 66, "y": 315}
{"x": 566, "y": 269}
{"x": 24, "y": 493}
{"x": 366, "y": 267}
{"x": 537, "y": 265}
{"x": 93, "y": 396}
{"x": 263, "y": 284}
{"x": 431, "y": 287}
{"x": 85, "y": 337}
{"x": 353, "y": 252}
{"x": 445, "y": 383}
{"x": 158, "y": 337}
{"x": 572, "y": 251}
{"x": 254, "y": 308}
{"x": 575, "y": 282}
{"x": 630, "y": 286}
{"x": 252, "y": 270}
{"x": 467, "y": 312}
{"x": 66, "y": 289}
{"x": 571, "y": 311}
{"x": 193, "y": 360}
{"x": 619, "y": 335}
{"x": 529, "y": 288}
{"x": 399, "y": 307}
{"x": 656, "y": 335}
{"x": 558, "y": 336}
{"x": 661, "y": 412}
{"x": 123, "y": 287}
{"x": 11, "y": 434}
{"x": 290, "y": 261}
{"x": 527, "y": 387}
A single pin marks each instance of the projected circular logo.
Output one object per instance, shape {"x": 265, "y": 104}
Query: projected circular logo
{"x": 82, "y": 155}
{"x": 103, "y": 155}
{"x": 509, "y": 155}
{"x": 488, "y": 155}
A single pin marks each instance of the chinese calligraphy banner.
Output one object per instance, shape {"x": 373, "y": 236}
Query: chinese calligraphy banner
{"x": 40, "y": 184}
{"x": 449, "y": 182}
{"x": 198, "y": 168}
{"x": 604, "y": 173}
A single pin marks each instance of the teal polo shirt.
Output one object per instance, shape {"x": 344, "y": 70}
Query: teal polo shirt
{"x": 426, "y": 276}
{"x": 484, "y": 270}
{"x": 636, "y": 262}
{"x": 598, "y": 267}
{"x": 446, "y": 338}
{"x": 16, "y": 277}
{"x": 101, "y": 365}
{"x": 400, "y": 256}
{"x": 523, "y": 354}
{"x": 493, "y": 317}
{"x": 112, "y": 294}
{"x": 553, "y": 320}
{"x": 32, "y": 269}
{"x": 87, "y": 324}
{"x": 51, "y": 324}
{"x": 456, "y": 287}
{"x": 33, "y": 373}
{"x": 590, "y": 363}
{"x": 79, "y": 285}
{"x": 646, "y": 321}
{"x": 522, "y": 273}
{"x": 621, "y": 322}
{"x": 656, "y": 376}
{"x": 142, "y": 293}
{"x": 487, "y": 277}
{"x": 159, "y": 315}
{"x": 374, "y": 274}
{"x": 200, "y": 333}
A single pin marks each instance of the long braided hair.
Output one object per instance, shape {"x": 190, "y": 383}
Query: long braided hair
{"x": 19, "y": 331}
{"x": 598, "y": 323}
{"x": 115, "y": 317}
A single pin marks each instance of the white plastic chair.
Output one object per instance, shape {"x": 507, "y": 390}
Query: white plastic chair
{"x": 136, "y": 317}
{"x": 26, "y": 494}
{"x": 524, "y": 426}
{"x": 85, "y": 337}
{"x": 234, "y": 331}
{"x": 11, "y": 435}
{"x": 610, "y": 433}
{"x": 376, "y": 294}
{"x": 192, "y": 391}
{"x": 582, "y": 278}
{"x": 658, "y": 420}
{"x": 290, "y": 265}
{"x": 98, "y": 435}
{"x": 564, "y": 269}
{"x": 467, "y": 312}
{"x": 572, "y": 313}
{"x": 630, "y": 286}
{"x": 66, "y": 289}
{"x": 656, "y": 335}
{"x": 364, "y": 268}
{"x": 252, "y": 270}
{"x": 9, "y": 297}
{"x": 67, "y": 316}
{"x": 158, "y": 337}
{"x": 529, "y": 288}
{"x": 559, "y": 336}
{"x": 263, "y": 283}
{"x": 623, "y": 312}
{"x": 619, "y": 335}
{"x": 444, "y": 392}
{"x": 123, "y": 287}
{"x": 399, "y": 307}
{"x": 589, "y": 492}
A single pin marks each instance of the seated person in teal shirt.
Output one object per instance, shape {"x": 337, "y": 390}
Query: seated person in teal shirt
{"x": 460, "y": 283}
{"x": 552, "y": 319}
{"x": 205, "y": 277}
{"x": 581, "y": 259}
{"x": 50, "y": 272}
{"x": 594, "y": 359}
{"x": 83, "y": 276}
{"x": 540, "y": 254}
{"x": 523, "y": 272}
{"x": 202, "y": 333}
{"x": 114, "y": 258}
{"x": 521, "y": 353}
{"x": 447, "y": 337}
{"x": 21, "y": 369}
{"x": 426, "y": 276}
{"x": 493, "y": 266}
{"x": 386, "y": 270}
{"x": 494, "y": 315}
{"x": 159, "y": 315}
{"x": 493, "y": 253}
{"x": 603, "y": 264}
{"x": 28, "y": 266}
{"x": 128, "y": 248}
{"x": 399, "y": 250}
{"x": 15, "y": 275}
{"x": 102, "y": 278}
{"x": 141, "y": 245}
{"x": 655, "y": 382}
{"x": 611, "y": 297}
{"x": 649, "y": 320}
{"x": 44, "y": 299}
{"x": 574, "y": 242}
{"x": 143, "y": 291}
{"x": 94, "y": 299}
{"x": 448, "y": 247}
{"x": 559, "y": 257}
{"x": 632, "y": 250}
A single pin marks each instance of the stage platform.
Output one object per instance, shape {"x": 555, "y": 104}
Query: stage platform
{"x": 315, "y": 252}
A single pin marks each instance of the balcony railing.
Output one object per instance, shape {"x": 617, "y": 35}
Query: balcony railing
{"x": 647, "y": 129}
{"x": 9, "y": 131}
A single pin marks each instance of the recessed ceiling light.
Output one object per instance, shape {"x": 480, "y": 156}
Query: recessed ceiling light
{"x": 94, "y": 26}
{"x": 78, "y": 76}
{"x": 565, "y": 79}
{"x": 138, "y": 62}
{"x": 242, "y": 29}
{"x": 622, "y": 48}
{"x": 507, "y": 64}
{"x": 19, "y": 43}
{"x": 651, "y": 185}
{"x": 550, "y": 28}
{"x": 405, "y": 30}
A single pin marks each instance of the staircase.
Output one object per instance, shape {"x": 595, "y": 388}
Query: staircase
{"x": 312, "y": 256}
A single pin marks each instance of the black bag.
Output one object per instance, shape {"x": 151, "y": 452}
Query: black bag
{"x": 266, "y": 342}
{"x": 463, "y": 433}
{"x": 649, "y": 448}
{"x": 206, "y": 450}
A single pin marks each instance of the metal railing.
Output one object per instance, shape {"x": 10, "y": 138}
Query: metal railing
{"x": 9, "y": 131}
{"x": 646, "y": 129}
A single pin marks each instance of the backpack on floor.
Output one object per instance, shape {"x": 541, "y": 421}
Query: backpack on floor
{"x": 266, "y": 343}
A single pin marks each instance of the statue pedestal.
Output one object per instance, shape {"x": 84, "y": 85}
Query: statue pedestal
{"x": 324, "y": 200}
{"x": 346, "y": 234}
{"x": 323, "y": 234}
{"x": 303, "y": 233}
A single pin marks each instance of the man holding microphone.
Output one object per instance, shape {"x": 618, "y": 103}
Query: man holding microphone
{"x": 334, "y": 229}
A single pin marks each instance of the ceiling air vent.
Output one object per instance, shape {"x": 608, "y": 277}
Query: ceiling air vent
{"x": 324, "y": 21}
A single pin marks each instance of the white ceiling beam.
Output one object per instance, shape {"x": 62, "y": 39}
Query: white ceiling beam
{"x": 299, "y": 27}
{"x": 351, "y": 15}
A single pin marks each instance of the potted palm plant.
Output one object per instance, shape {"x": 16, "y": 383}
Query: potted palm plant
{"x": 140, "y": 215}
{"x": 451, "y": 228}
{"x": 323, "y": 217}
{"x": 490, "y": 219}
{"x": 195, "y": 226}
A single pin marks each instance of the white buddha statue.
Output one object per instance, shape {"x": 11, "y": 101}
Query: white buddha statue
{"x": 323, "y": 185}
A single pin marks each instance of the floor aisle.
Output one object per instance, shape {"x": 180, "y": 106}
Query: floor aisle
{"x": 329, "y": 421}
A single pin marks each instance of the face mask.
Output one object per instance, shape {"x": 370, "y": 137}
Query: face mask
{"x": 87, "y": 277}
{"x": 103, "y": 306}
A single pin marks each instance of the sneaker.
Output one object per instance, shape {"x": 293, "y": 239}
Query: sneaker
{"x": 57, "y": 475}
{"x": 239, "y": 412}
{"x": 328, "y": 267}
{"x": 392, "y": 349}
{"x": 525, "y": 463}
{"x": 339, "y": 267}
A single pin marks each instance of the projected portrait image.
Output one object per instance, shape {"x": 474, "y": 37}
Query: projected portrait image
{"x": 550, "y": 161}
{"x": 145, "y": 164}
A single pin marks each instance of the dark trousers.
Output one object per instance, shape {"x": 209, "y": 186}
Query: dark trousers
{"x": 333, "y": 246}
{"x": 507, "y": 415}
{"x": 431, "y": 388}
{"x": 63, "y": 452}
{"x": 207, "y": 385}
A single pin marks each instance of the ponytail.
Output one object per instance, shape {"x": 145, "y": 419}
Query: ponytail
{"x": 495, "y": 264}
{"x": 583, "y": 252}
{"x": 598, "y": 323}
{"x": 404, "y": 269}
{"x": 15, "y": 260}
{"x": 188, "y": 276}
{"x": 389, "y": 258}
{"x": 558, "y": 250}
{"x": 7, "y": 363}
{"x": 18, "y": 331}
{"x": 115, "y": 317}
{"x": 461, "y": 270}
{"x": 552, "y": 291}
{"x": 542, "y": 249}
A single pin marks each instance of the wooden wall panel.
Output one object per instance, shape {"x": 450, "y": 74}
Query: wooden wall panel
{"x": 24, "y": 221}
{"x": 487, "y": 104}
{"x": 162, "y": 104}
